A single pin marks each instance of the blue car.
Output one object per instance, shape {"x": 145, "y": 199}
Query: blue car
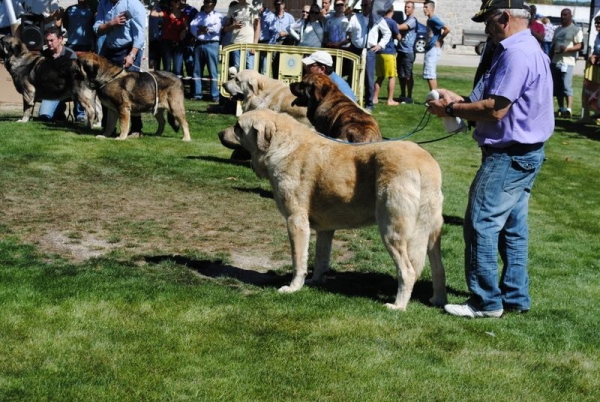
{"x": 421, "y": 40}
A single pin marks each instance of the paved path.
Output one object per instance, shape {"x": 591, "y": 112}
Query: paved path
{"x": 471, "y": 60}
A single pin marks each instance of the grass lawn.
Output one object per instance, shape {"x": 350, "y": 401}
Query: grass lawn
{"x": 147, "y": 270}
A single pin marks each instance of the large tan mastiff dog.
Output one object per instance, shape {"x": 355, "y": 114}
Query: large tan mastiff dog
{"x": 257, "y": 91}
{"x": 326, "y": 185}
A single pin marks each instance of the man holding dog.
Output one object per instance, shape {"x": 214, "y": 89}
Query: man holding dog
{"x": 123, "y": 25}
{"x": 512, "y": 106}
{"x": 321, "y": 62}
{"x": 55, "y": 109}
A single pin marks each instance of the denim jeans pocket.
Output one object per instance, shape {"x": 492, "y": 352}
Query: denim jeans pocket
{"x": 522, "y": 172}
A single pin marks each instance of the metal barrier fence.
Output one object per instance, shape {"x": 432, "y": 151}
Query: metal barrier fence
{"x": 285, "y": 64}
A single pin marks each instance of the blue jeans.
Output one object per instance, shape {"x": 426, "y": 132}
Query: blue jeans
{"x": 496, "y": 223}
{"x": 249, "y": 60}
{"x": 51, "y": 109}
{"x": 172, "y": 56}
{"x": 369, "y": 78}
{"x": 206, "y": 54}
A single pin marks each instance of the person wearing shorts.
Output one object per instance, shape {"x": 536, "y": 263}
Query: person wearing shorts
{"x": 567, "y": 41}
{"x": 405, "y": 49}
{"x": 385, "y": 62}
{"x": 436, "y": 32}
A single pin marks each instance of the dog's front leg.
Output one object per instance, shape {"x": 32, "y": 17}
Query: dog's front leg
{"x": 299, "y": 234}
{"x": 28, "y": 104}
{"x": 323, "y": 255}
{"x": 124, "y": 120}
{"x": 85, "y": 97}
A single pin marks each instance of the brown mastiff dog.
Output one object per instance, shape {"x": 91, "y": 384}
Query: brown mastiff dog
{"x": 333, "y": 113}
{"x": 328, "y": 185}
{"x": 36, "y": 78}
{"x": 132, "y": 93}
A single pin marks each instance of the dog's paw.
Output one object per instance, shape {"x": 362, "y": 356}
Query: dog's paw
{"x": 287, "y": 289}
{"x": 392, "y": 306}
{"x": 22, "y": 120}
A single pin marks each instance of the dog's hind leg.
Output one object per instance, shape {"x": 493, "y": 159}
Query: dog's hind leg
{"x": 177, "y": 108}
{"x": 299, "y": 234}
{"x": 397, "y": 219}
{"x": 160, "y": 119}
{"x": 184, "y": 125}
{"x": 322, "y": 256}
{"x": 398, "y": 249}
{"x": 438, "y": 274}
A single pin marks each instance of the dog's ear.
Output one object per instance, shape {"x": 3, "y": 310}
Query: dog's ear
{"x": 320, "y": 87}
{"x": 265, "y": 130}
{"x": 253, "y": 84}
{"x": 17, "y": 48}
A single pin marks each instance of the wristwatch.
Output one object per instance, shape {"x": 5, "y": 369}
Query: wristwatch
{"x": 449, "y": 109}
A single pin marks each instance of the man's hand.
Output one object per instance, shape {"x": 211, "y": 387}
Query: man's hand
{"x": 118, "y": 21}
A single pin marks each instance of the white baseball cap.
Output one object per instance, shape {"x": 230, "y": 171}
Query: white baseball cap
{"x": 321, "y": 57}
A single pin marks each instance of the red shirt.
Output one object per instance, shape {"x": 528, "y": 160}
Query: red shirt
{"x": 173, "y": 26}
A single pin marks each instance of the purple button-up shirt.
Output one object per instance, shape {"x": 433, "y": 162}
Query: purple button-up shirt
{"x": 520, "y": 72}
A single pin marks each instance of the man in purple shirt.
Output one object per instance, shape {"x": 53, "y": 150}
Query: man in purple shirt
{"x": 513, "y": 110}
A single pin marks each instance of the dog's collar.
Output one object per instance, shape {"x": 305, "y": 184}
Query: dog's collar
{"x": 112, "y": 79}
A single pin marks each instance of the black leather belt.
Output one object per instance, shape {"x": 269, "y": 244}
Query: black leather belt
{"x": 514, "y": 149}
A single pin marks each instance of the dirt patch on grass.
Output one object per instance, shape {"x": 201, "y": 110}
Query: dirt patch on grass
{"x": 78, "y": 220}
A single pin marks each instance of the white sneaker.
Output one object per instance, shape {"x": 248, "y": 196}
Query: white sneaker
{"x": 468, "y": 311}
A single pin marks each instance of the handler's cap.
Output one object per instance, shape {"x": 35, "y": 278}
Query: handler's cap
{"x": 321, "y": 57}
{"x": 488, "y": 6}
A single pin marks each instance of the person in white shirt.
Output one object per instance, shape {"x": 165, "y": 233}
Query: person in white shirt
{"x": 243, "y": 21}
{"x": 309, "y": 32}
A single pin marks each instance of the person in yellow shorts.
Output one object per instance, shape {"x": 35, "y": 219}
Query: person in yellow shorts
{"x": 385, "y": 62}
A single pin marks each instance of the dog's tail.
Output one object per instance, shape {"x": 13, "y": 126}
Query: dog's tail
{"x": 173, "y": 122}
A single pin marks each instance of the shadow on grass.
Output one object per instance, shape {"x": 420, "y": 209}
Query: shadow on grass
{"x": 257, "y": 190}
{"x": 226, "y": 161}
{"x": 454, "y": 220}
{"x": 575, "y": 129}
{"x": 75, "y": 128}
{"x": 375, "y": 286}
